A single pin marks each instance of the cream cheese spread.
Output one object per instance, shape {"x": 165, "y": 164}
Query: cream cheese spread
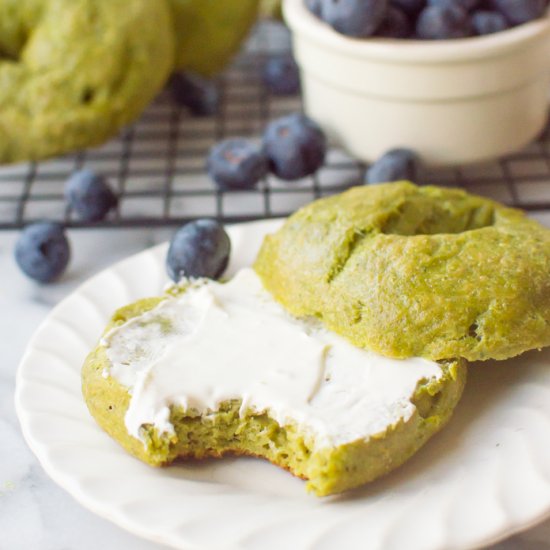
{"x": 231, "y": 341}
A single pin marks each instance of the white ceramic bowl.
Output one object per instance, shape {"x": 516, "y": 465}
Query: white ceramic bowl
{"x": 454, "y": 101}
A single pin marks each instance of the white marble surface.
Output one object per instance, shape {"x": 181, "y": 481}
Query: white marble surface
{"x": 34, "y": 513}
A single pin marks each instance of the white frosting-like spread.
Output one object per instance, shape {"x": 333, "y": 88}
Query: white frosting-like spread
{"x": 217, "y": 342}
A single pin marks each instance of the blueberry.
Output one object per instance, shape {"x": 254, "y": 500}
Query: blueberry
{"x": 359, "y": 18}
{"x": 396, "y": 24}
{"x": 395, "y": 165}
{"x": 237, "y": 164}
{"x": 520, "y": 11}
{"x": 295, "y": 146}
{"x": 199, "y": 95}
{"x": 281, "y": 76}
{"x": 464, "y": 4}
{"x": 410, "y": 7}
{"x": 198, "y": 249}
{"x": 315, "y": 7}
{"x": 89, "y": 195}
{"x": 42, "y": 251}
{"x": 488, "y": 22}
{"x": 442, "y": 22}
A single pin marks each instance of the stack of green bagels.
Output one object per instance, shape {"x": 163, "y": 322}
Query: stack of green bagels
{"x": 73, "y": 72}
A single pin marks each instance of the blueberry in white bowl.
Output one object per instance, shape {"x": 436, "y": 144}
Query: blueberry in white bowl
{"x": 410, "y": 7}
{"x": 295, "y": 146}
{"x": 89, "y": 195}
{"x": 442, "y": 22}
{"x": 358, "y": 18}
{"x": 236, "y": 163}
{"x": 432, "y": 19}
{"x": 488, "y": 22}
{"x": 464, "y": 4}
{"x": 396, "y": 24}
{"x": 520, "y": 11}
{"x": 315, "y": 6}
{"x": 198, "y": 249}
{"x": 42, "y": 251}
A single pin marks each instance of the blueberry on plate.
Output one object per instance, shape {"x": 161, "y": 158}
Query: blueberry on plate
{"x": 198, "y": 249}
{"x": 295, "y": 146}
{"x": 395, "y": 165}
{"x": 464, "y": 4}
{"x": 315, "y": 7}
{"x": 520, "y": 11}
{"x": 488, "y": 22}
{"x": 42, "y": 251}
{"x": 199, "y": 95}
{"x": 236, "y": 164}
{"x": 359, "y": 18}
{"x": 281, "y": 76}
{"x": 410, "y": 7}
{"x": 89, "y": 195}
{"x": 443, "y": 22}
{"x": 395, "y": 25}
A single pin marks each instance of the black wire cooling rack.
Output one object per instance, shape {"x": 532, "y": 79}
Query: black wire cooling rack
{"x": 157, "y": 165}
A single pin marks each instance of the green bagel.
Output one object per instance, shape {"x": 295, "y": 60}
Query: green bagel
{"x": 230, "y": 430}
{"x": 209, "y": 32}
{"x": 415, "y": 271}
{"x": 73, "y": 72}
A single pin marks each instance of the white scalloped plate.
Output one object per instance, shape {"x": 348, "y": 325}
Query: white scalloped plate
{"x": 486, "y": 476}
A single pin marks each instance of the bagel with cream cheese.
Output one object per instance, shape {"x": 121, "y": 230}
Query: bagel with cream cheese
{"x": 221, "y": 368}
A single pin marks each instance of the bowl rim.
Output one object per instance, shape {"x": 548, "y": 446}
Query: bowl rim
{"x": 303, "y": 22}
